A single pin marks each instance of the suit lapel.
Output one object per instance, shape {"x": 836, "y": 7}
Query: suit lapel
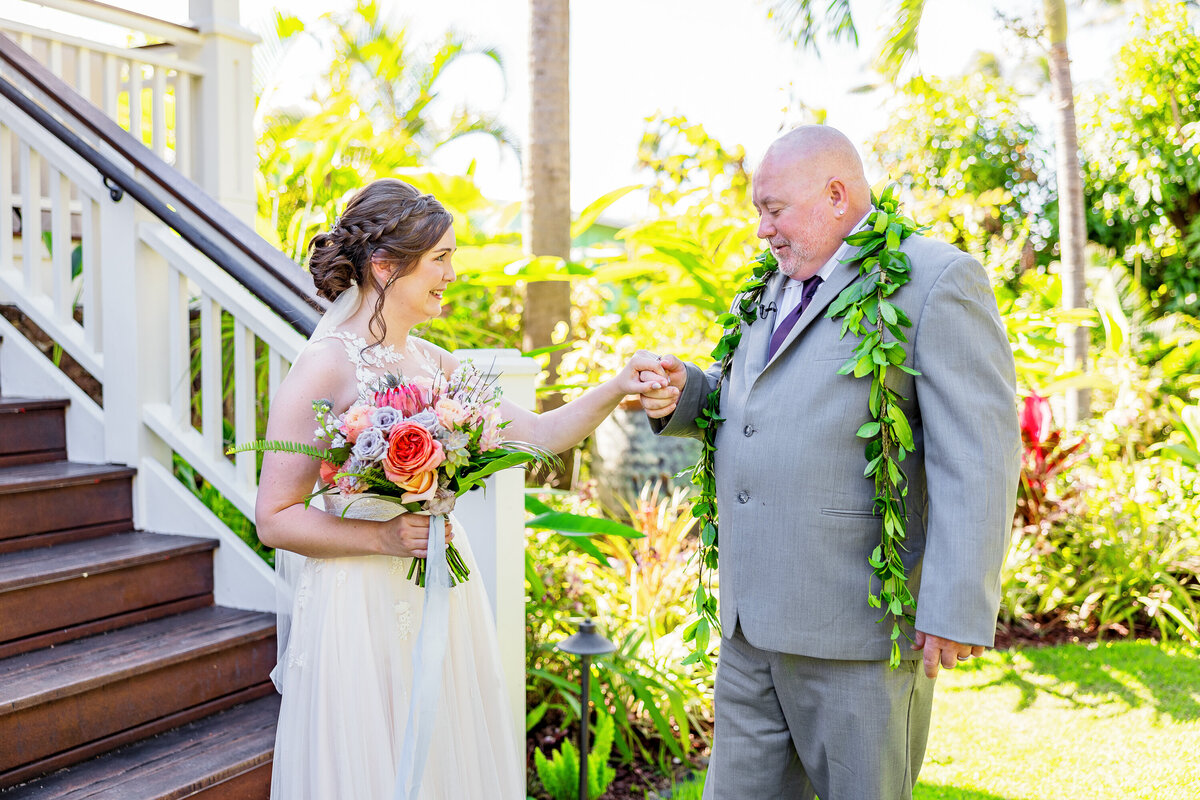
{"x": 758, "y": 337}
{"x": 842, "y": 276}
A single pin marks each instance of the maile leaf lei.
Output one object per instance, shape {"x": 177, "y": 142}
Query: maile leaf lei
{"x": 867, "y": 313}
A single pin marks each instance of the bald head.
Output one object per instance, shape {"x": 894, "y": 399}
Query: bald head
{"x": 810, "y": 191}
{"x": 819, "y": 152}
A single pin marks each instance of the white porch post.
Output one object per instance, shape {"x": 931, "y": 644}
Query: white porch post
{"x": 500, "y": 506}
{"x": 223, "y": 110}
{"x": 135, "y": 280}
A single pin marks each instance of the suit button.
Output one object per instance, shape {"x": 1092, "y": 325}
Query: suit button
{"x": 748, "y": 430}
{"x": 743, "y": 497}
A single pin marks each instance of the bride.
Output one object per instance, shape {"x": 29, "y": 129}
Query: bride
{"x": 349, "y": 615}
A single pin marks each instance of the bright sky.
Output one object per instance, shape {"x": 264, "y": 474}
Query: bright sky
{"x": 718, "y": 62}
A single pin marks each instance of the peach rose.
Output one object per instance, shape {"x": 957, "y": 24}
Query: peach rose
{"x": 355, "y": 421}
{"x": 328, "y": 470}
{"x": 451, "y": 413}
{"x": 418, "y": 488}
{"x": 411, "y": 450}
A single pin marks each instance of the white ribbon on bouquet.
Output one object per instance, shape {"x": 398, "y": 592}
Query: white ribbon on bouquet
{"x": 428, "y": 656}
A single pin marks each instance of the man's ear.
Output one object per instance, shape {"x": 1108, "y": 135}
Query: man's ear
{"x": 838, "y": 196}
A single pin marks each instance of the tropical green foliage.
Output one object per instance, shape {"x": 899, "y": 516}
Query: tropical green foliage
{"x": 677, "y": 270}
{"x": 658, "y": 706}
{"x": 1141, "y": 141}
{"x": 373, "y": 116}
{"x": 559, "y": 774}
{"x": 1108, "y": 544}
{"x": 966, "y": 154}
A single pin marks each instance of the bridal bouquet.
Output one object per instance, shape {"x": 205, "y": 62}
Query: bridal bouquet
{"x": 419, "y": 442}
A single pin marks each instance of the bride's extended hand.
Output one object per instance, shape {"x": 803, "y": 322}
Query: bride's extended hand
{"x": 642, "y": 374}
{"x": 407, "y": 535}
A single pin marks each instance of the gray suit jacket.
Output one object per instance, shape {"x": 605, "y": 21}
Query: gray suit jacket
{"x": 796, "y": 525}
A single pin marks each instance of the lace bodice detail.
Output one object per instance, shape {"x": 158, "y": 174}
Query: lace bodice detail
{"x": 371, "y": 363}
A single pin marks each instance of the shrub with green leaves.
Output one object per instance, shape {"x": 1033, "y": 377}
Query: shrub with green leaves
{"x": 657, "y": 706}
{"x": 1126, "y": 561}
{"x": 560, "y": 773}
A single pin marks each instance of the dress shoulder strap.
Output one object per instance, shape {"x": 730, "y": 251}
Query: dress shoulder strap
{"x": 367, "y": 361}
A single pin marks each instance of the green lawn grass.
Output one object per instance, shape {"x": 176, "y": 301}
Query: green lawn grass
{"x": 1114, "y": 721}
{"x": 1073, "y": 722}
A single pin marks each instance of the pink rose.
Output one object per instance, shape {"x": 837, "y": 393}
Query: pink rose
{"x": 355, "y": 421}
{"x": 451, "y": 413}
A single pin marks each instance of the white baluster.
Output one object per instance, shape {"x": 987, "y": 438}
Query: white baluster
{"x": 277, "y": 370}
{"x": 31, "y": 219}
{"x": 179, "y": 371}
{"x": 6, "y": 199}
{"x": 83, "y": 75}
{"x": 111, "y": 90}
{"x": 60, "y": 248}
{"x": 158, "y": 112}
{"x": 93, "y": 309}
{"x": 210, "y": 377}
{"x": 245, "y": 400}
{"x": 184, "y": 123}
{"x": 55, "y": 60}
{"x": 135, "y": 100}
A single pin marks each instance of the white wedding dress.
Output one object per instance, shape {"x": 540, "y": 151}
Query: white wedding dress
{"x": 347, "y": 671}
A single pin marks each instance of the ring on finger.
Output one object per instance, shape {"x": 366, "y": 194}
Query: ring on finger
{"x": 963, "y": 658}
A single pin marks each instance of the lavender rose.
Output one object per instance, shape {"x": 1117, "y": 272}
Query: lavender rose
{"x": 385, "y": 417}
{"x": 371, "y": 445}
{"x": 428, "y": 420}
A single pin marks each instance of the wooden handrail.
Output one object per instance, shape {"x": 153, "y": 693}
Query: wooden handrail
{"x": 273, "y": 277}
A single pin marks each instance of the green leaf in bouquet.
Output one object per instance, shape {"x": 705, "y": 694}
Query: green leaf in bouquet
{"x": 299, "y": 448}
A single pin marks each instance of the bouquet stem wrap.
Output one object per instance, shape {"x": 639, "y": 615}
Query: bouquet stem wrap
{"x": 429, "y": 656}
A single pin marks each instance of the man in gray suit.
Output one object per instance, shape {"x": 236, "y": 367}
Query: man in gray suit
{"x": 805, "y": 699}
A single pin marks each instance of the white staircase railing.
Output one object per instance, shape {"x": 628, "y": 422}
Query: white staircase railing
{"x": 183, "y": 91}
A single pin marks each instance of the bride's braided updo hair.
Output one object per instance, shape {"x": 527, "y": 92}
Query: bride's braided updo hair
{"x": 386, "y": 220}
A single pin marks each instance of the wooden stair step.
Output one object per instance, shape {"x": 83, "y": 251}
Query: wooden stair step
{"x": 42, "y": 504}
{"x": 226, "y": 756}
{"x": 61, "y": 705}
{"x": 32, "y": 430}
{"x": 50, "y": 595}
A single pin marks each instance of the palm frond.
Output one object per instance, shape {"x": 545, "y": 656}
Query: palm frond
{"x": 798, "y": 21}
{"x": 901, "y": 40}
{"x": 540, "y": 455}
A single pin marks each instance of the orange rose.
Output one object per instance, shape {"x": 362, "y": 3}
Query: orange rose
{"x": 328, "y": 470}
{"x": 411, "y": 450}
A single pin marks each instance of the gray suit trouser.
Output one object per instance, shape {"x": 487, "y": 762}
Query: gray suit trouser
{"x": 791, "y": 727}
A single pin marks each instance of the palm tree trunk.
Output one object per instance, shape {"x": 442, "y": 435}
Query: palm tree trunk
{"x": 1072, "y": 230}
{"x": 547, "y": 212}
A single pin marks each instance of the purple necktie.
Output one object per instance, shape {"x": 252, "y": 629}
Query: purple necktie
{"x": 789, "y": 322}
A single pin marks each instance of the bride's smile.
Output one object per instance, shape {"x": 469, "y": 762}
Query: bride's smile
{"x": 418, "y": 294}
